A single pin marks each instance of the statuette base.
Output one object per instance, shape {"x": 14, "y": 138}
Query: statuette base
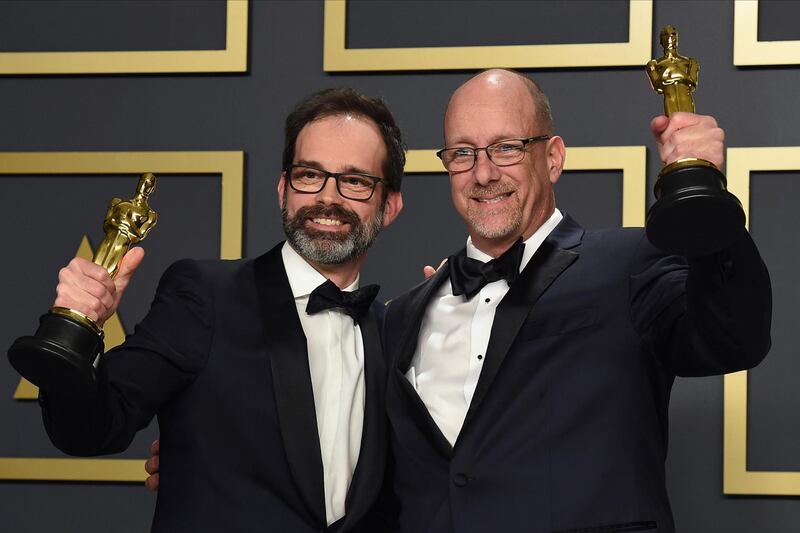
{"x": 694, "y": 214}
{"x": 60, "y": 357}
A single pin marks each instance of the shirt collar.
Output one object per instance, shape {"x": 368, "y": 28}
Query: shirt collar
{"x": 303, "y": 278}
{"x": 532, "y": 243}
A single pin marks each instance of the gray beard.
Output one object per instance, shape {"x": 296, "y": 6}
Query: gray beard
{"x": 486, "y": 231}
{"x": 329, "y": 248}
{"x": 512, "y": 214}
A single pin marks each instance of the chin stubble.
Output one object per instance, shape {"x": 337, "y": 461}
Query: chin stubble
{"x": 478, "y": 219}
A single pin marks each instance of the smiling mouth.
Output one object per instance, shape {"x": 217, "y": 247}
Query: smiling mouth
{"x": 493, "y": 199}
{"x": 327, "y": 221}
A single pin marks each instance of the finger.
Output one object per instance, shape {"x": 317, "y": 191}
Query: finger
{"x": 692, "y": 136}
{"x": 83, "y": 268}
{"x": 681, "y": 120}
{"x": 154, "y": 447}
{"x": 86, "y": 296}
{"x": 88, "y": 268}
{"x": 152, "y": 483}
{"x": 658, "y": 125}
{"x": 93, "y": 309}
{"x": 85, "y": 288}
{"x": 81, "y": 276}
{"x": 700, "y": 141}
{"x": 151, "y": 465}
{"x": 428, "y": 271}
{"x": 130, "y": 262}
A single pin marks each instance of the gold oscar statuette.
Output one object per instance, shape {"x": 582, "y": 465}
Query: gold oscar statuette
{"x": 674, "y": 75}
{"x": 61, "y": 358}
{"x": 694, "y": 214}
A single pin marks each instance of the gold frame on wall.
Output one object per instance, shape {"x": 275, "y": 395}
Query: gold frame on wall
{"x": 232, "y": 59}
{"x": 748, "y": 50}
{"x": 230, "y": 166}
{"x": 634, "y": 52}
{"x": 631, "y": 160}
{"x": 737, "y": 479}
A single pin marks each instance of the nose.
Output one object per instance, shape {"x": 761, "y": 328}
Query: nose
{"x": 484, "y": 170}
{"x": 329, "y": 193}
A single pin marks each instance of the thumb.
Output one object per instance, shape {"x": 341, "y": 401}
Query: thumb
{"x": 658, "y": 125}
{"x": 130, "y": 262}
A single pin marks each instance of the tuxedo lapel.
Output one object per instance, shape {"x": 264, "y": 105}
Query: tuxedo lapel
{"x": 549, "y": 261}
{"x": 291, "y": 379}
{"x": 368, "y": 474}
{"x": 414, "y": 315}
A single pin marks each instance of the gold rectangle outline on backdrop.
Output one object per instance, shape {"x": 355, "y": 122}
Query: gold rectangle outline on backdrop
{"x": 631, "y": 160}
{"x": 634, "y": 52}
{"x": 232, "y": 59}
{"x": 748, "y": 50}
{"x": 229, "y": 164}
{"x": 737, "y": 479}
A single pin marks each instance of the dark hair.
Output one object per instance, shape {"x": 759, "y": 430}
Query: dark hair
{"x": 343, "y": 101}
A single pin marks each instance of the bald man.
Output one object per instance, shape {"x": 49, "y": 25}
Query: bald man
{"x": 529, "y": 378}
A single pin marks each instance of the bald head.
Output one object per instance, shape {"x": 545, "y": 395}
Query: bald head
{"x": 503, "y": 200}
{"x": 509, "y": 85}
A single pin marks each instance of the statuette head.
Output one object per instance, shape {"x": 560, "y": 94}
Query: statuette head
{"x": 669, "y": 38}
{"x": 147, "y": 183}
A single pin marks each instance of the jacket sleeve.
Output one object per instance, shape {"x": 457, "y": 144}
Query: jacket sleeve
{"x": 163, "y": 356}
{"x": 704, "y": 315}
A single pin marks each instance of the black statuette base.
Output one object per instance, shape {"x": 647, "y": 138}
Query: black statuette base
{"x": 59, "y": 358}
{"x": 694, "y": 214}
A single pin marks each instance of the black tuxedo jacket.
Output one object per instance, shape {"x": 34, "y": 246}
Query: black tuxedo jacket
{"x": 221, "y": 359}
{"x": 567, "y": 430}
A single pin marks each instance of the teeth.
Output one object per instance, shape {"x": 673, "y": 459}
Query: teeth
{"x": 327, "y": 221}
{"x": 494, "y": 200}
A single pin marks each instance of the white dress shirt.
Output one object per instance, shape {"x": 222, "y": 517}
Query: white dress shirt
{"x": 336, "y": 360}
{"x": 453, "y": 338}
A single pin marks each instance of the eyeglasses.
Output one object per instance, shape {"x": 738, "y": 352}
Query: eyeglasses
{"x": 501, "y": 153}
{"x": 351, "y": 185}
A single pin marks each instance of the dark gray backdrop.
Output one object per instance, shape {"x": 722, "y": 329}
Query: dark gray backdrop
{"x": 43, "y": 218}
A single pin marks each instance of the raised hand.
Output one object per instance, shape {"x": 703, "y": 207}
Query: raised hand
{"x": 88, "y": 289}
{"x": 687, "y": 135}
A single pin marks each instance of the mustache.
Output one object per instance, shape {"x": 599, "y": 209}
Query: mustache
{"x": 330, "y": 211}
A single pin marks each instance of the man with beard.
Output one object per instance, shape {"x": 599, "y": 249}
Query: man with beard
{"x": 266, "y": 375}
{"x": 530, "y": 377}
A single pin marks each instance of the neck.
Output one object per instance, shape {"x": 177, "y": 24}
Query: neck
{"x": 495, "y": 247}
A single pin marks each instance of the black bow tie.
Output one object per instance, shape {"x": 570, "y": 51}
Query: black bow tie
{"x": 468, "y": 276}
{"x": 328, "y": 296}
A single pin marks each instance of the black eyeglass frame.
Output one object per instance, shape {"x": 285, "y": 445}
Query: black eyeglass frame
{"x": 525, "y": 143}
{"x": 336, "y": 176}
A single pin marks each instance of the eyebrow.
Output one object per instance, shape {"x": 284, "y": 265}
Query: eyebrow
{"x": 347, "y": 169}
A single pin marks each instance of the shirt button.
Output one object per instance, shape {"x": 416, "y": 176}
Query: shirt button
{"x": 460, "y": 480}
{"x": 487, "y": 300}
{"x": 480, "y": 356}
